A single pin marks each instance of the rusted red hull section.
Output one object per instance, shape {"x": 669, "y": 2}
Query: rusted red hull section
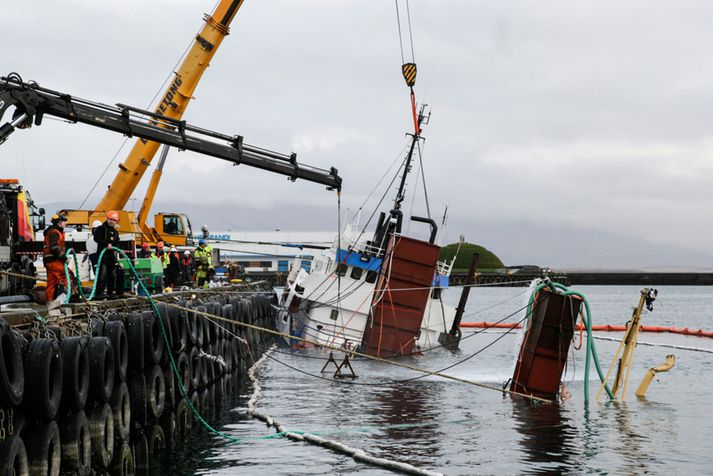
{"x": 543, "y": 353}
{"x": 401, "y": 296}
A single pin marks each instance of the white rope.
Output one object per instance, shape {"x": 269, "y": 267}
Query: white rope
{"x": 355, "y": 453}
{"x": 656, "y": 344}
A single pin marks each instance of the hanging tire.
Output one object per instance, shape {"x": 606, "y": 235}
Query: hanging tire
{"x": 135, "y": 338}
{"x": 12, "y": 373}
{"x": 200, "y": 326}
{"x": 179, "y": 327}
{"x": 168, "y": 425}
{"x": 120, "y": 403}
{"x": 156, "y": 441}
{"x": 155, "y": 391}
{"x": 141, "y": 454}
{"x": 123, "y": 463}
{"x": 196, "y": 368}
{"x": 101, "y": 429}
{"x": 75, "y": 372}
{"x": 43, "y": 379}
{"x": 153, "y": 339}
{"x": 13, "y": 457}
{"x": 101, "y": 369}
{"x": 163, "y": 315}
{"x": 191, "y": 324}
{"x": 184, "y": 420}
{"x": 137, "y": 393}
{"x": 44, "y": 450}
{"x": 169, "y": 380}
{"x": 76, "y": 442}
{"x": 96, "y": 326}
{"x": 116, "y": 333}
{"x": 184, "y": 371}
{"x": 206, "y": 404}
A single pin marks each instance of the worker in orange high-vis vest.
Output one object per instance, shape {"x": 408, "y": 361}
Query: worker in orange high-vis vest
{"x": 54, "y": 258}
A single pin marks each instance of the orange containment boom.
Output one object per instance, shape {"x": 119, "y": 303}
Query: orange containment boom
{"x": 602, "y": 328}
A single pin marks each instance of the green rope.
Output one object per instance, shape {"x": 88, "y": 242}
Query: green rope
{"x": 170, "y": 354}
{"x": 68, "y": 277}
{"x": 591, "y": 351}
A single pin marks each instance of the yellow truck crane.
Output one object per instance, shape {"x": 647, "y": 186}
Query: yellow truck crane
{"x": 30, "y": 102}
{"x": 171, "y": 228}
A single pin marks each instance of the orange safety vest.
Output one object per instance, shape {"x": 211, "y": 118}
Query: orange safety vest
{"x": 54, "y": 244}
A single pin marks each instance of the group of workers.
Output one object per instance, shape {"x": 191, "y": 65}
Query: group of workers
{"x": 178, "y": 269}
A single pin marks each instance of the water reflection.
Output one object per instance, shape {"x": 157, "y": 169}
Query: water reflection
{"x": 409, "y": 416}
{"x": 547, "y": 437}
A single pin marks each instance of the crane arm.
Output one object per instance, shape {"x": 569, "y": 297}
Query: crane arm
{"x": 174, "y": 101}
{"x": 31, "y": 102}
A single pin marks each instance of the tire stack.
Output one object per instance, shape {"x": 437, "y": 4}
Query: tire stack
{"x": 111, "y": 402}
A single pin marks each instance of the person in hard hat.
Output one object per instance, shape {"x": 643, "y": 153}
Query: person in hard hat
{"x": 107, "y": 238}
{"x": 161, "y": 254}
{"x": 144, "y": 251}
{"x": 203, "y": 262}
{"x": 173, "y": 270}
{"x": 54, "y": 257}
{"x": 186, "y": 268}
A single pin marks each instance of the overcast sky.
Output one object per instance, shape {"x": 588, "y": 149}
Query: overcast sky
{"x": 548, "y": 117}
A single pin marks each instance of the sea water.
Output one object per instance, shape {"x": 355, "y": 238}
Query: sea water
{"x": 460, "y": 429}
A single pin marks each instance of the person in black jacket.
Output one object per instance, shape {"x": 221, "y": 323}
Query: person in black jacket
{"x": 173, "y": 270}
{"x": 107, "y": 238}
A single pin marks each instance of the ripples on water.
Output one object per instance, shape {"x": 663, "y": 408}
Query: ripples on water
{"x": 457, "y": 428}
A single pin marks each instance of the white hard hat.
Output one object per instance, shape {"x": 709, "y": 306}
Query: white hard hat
{"x": 96, "y": 223}
{"x": 186, "y": 252}
{"x": 173, "y": 248}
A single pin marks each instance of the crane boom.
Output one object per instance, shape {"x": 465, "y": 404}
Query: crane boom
{"x": 173, "y": 102}
{"x": 32, "y": 102}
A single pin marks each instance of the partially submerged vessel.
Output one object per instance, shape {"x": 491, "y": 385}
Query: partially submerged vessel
{"x": 380, "y": 292}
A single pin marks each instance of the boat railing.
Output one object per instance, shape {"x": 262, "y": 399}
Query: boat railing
{"x": 443, "y": 268}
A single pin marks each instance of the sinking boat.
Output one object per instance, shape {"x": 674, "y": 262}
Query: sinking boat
{"x": 380, "y": 293}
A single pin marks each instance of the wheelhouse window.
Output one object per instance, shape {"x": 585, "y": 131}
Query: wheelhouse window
{"x": 172, "y": 225}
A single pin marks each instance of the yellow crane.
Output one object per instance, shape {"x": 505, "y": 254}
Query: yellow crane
{"x": 172, "y": 228}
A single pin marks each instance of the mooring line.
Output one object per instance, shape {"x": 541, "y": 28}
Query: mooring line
{"x": 359, "y": 354}
{"x": 355, "y": 453}
{"x": 656, "y": 344}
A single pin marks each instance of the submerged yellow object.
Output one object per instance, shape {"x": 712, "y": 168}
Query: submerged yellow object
{"x": 651, "y": 373}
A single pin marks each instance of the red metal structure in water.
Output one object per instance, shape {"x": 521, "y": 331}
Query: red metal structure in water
{"x": 401, "y": 295}
{"x": 543, "y": 353}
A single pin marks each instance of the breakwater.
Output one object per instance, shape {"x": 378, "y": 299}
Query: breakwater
{"x": 95, "y": 391}
{"x": 641, "y": 279}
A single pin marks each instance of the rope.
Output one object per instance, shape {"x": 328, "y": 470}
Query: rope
{"x": 355, "y": 453}
{"x": 359, "y": 354}
{"x": 657, "y": 344}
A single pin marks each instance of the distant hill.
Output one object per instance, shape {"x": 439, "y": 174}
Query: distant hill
{"x": 486, "y": 261}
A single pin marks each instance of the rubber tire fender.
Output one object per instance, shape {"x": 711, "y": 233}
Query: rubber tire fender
{"x": 13, "y": 457}
{"x": 75, "y": 372}
{"x": 44, "y": 449}
{"x": 101, "y": 429}
{"x": 156, "y": 441}
{"x": 123, "y": 463}
{"x": 76, "y": 442}
{"x": 137, "y": 397}
{"x": 178, "y": 319}
{"x": 120, "y": 403}
{"x": 43, "y": 379}
{"x": 184, "y": 420}
{"x": 184, "y": 370}
{"x": 196, "y": 368}
{"x": 168, "y": 424}
{"x": 169, "y": 379}
{"x": 163, "y": 315}
{"x": 155, "y": 391}
{"x": 153, "y": 339}
{"x": 115, "y": 331}
{"x": 191, "y": 323}
{"x": 200, "y": 326}
{"x": 101, "y": 369}
{"x": 141, "y": 454}
{"x": 12, "y": 373}
{"x": 135, "y": 338}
